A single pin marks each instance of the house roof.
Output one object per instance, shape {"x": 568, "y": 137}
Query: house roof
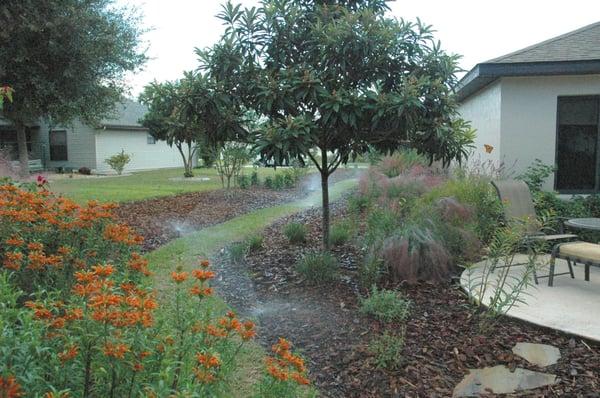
{"x": 127, "y": 116}
{"x": 573, "y": 53}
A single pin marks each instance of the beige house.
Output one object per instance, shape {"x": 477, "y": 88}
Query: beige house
{"x": 81, "y": 145}
{"x": 541, "y": 102}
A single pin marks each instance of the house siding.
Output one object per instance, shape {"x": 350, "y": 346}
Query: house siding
{"x": 81, "y": 146}
{"x": 483, "y": 110}
{"x": 144, "y": 156}
{"x": 529, "y": 106}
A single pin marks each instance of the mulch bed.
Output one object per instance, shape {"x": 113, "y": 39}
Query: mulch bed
{"x": 443, "y": 337}
{"x": 162, "y": 219}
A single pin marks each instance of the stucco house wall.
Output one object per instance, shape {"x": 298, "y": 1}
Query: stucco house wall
{"x": 484, "y": 110}
{"x": 529, "y": 116}
{"x": 81, "y": 147}
{"x": 143, "y": 154}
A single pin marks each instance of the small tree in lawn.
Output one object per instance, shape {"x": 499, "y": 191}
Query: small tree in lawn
{"x": 342, "y": 77}
{"x": 229, "y": 161}
{"x": 65, "y": 59}
{"x": 118, "y": 161}
{"x": 190, "y": 111}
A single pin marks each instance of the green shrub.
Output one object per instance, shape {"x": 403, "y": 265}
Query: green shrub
{"x": 254, "y": 243}
{"x": 254, "y": 181}
{"x": 371, "y": 270}
{"x": 381, "y": 222}
{"x": 243, "y": 181}
{"x": 237, "y": 252}
{"x": 536, "y": 174}
{"x": 340, "y": 233}
{"x": 358, "y": 203}
{"x": 295, "y": 232}
{"x": 387, "y": 350}
{"x": 318, "y": 267}
{"x": 279, "y": 182}
{"x": 118, "y": 162}
{"x": 269, "y": 182}
{"x": 385, "y": 305}
{"x": 289, "y": 180}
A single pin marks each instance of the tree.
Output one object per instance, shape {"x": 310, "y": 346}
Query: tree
{"x": 339, "y": 76}
{"x": 191, "y": 111}
{"x": 65, "y": 59}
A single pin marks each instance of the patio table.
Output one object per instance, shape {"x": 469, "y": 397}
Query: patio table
{"x": 590, "y": 224}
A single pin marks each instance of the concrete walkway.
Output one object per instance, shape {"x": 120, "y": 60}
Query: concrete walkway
{"x": 571, "y": 305}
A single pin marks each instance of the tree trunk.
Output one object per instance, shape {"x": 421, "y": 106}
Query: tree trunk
{"x": 325, "y": 192}
{"x": 22, "y": 147}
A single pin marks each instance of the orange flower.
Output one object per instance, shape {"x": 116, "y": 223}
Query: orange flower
{"x": 200, "y": 291}
{"x": 15, "y": 241}
{"x": 208, "y": 360}
{"x": 216, "y": 331}
{"x": 103, "y": 270}
{"x": 13, "y": 260}
{"x": 35, "y": 246}
{"x": 203, "y": 275}
{"x": 138, "y": 367}
{"x": 300, "y": 379}
{"x": 139, "y": 264}
{"x": 204, "y": 376}
{"x": 9, "y": 388}
{"x": 204, "y": 263}
{"x": 179, "y": 277}
{"x": 247, "y": 332}
{"x": 64, "y": 250}
{"x": 115, "y": 350}
{"x": 55, "y": 395}
{"x": 68, "y": 354}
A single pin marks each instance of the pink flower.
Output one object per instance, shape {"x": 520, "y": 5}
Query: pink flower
{"x": 41, "y": 181}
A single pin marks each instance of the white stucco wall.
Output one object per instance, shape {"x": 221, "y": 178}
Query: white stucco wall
{"x": 143, "y": 155}
{"x": 529, "y": 112}
{"x": 483, "y": 109}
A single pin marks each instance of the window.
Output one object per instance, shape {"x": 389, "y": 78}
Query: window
{"x": 577, "y": 154}
{"x": 150, "y": 139}
{"x": 58, "y": 145}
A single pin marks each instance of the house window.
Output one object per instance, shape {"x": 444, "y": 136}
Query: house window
{"x": 577, "y": 146}
{"x": 150, "y": 139}
{"x": 58, "y": 145}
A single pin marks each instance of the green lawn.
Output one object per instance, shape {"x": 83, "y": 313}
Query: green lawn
{"x": 140, "y": 185}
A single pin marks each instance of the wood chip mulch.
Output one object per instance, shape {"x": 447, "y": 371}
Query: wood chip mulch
{"x": 443, "y": 337}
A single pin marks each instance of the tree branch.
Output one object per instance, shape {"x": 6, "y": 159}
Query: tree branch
{"x": 315, "y": 161}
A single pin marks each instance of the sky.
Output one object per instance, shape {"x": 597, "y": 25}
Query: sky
{"x": 477, "y": 30}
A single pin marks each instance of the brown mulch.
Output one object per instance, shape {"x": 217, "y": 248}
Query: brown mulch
{"x": 162, "y": 219}
{"x": 443, "y": 337}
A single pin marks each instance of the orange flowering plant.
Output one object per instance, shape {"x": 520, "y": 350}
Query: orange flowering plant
{"x": 79, "y": 316}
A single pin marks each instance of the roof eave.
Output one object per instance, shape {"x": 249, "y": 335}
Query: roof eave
{"x": 485, "y": 73}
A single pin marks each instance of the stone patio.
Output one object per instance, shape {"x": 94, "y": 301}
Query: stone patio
{"x": 570, "y": 305}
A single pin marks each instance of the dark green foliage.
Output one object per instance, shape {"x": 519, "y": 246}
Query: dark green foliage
{"x": 371, "y": 270}
{"x": 289, "y": 181}
{"x": 279, "y": 182}
{"x": 237, "y": 252}
{"x": 385, "y": 305}
{"x": 254, "y": 243}
{"x": 318, "y": 267}
{"x": 341, "y": 232}
{"x": 295, "y": 232}
{"x": 85, "y": 171}
{"x": 381, "y": 222}
{"x": 66, "y": 59}
{"x": 387, "y": 349}
{"x": 243, "y": 181}
{"x": 254, "y": 181}
{"x": 535, "y": 175}
{"x": 269, "y": 182}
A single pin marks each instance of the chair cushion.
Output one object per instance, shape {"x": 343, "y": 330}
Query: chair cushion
{"x": 581, "y": 250}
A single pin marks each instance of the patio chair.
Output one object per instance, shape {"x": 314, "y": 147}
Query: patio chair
{"x": 577, "y": 252}
{"x": 518, "y": 205}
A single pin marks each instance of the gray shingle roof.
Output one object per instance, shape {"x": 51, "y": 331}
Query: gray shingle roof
{"x": 127, "y": 115}
{"x": 579, "y": 45}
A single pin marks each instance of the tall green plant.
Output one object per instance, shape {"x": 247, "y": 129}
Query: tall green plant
{"x": 339, "y": 79}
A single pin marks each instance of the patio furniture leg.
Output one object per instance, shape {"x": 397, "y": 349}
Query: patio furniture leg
{"x": 552, "y": 261}
{"x": 570, "y": 268}
{"x": 587, "y": 272}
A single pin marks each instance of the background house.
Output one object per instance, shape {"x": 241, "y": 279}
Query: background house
{"x": 80, "y": 145}
{"x": 541, "y": 102}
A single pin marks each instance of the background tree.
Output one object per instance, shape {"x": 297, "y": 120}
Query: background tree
{"x": 190, "y": 112}
{"x": 339, "y": 76}
{"x": 65, "y": 59}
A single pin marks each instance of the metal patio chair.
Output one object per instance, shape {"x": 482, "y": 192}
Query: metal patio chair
{"x": 518, "y": 205}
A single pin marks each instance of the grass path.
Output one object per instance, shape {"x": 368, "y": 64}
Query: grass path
{"x": 205, "y": 242}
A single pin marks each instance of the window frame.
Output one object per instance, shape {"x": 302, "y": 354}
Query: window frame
{"x": 66, "y": 145}
{"x": 596, "y": 188}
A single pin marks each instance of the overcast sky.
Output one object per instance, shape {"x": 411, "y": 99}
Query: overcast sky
{"x": 478, "y": 30}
